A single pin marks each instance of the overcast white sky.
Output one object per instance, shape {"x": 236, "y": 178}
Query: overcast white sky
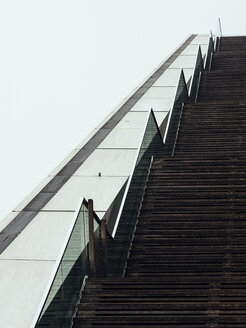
{"x": 65, "y": 64}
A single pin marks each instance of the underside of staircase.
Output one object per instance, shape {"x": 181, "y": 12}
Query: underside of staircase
{"x": 187, "y": 263}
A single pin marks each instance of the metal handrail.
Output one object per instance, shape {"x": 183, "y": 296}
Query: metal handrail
{"x": 177, "y": 132}
{"x": 91, "y": 239}
{"x": 104, "y": 246}
{"x": 198, "y": 85}
{"x": 138, "y": 213}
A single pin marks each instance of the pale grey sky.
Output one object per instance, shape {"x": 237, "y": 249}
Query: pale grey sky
{"x": 65, "y": 64}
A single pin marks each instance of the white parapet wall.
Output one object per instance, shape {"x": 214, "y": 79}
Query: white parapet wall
{"x": 28, "y": 262}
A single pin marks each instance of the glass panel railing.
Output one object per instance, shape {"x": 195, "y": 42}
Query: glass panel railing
{"x": 209, "y": 56}
{"x": 113, "y": 211}
{"x": 64, "y": 293}
{"x": 181, "y": 97}
{"x": 147, "y": 147}
{"x": 151, "y": 141}
{"x": 125, "y": 222}
{"x": 196, "y": 76}
{"x": 218, "y": 35}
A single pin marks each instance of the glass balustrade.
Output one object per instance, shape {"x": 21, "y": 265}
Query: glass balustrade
{"x": 180, "y": 98}
{"x": 64, "y": 293}
{"x": 209, "y": 56}
{"x": 196, "y": 76}
{"x": 118, "y": 248}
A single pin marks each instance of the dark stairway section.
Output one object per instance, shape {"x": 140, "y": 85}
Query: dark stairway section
{"x": 187, "y": 265}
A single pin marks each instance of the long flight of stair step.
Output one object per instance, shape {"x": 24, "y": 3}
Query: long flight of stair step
{"x": 187, "y": 263}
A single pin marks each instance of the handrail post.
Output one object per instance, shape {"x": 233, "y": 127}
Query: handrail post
{"x": 91, "y": 239}
{"x": 104, "y": 246}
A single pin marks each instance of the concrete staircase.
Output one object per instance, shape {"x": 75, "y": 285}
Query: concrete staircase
{"x": 187, "y": 265}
